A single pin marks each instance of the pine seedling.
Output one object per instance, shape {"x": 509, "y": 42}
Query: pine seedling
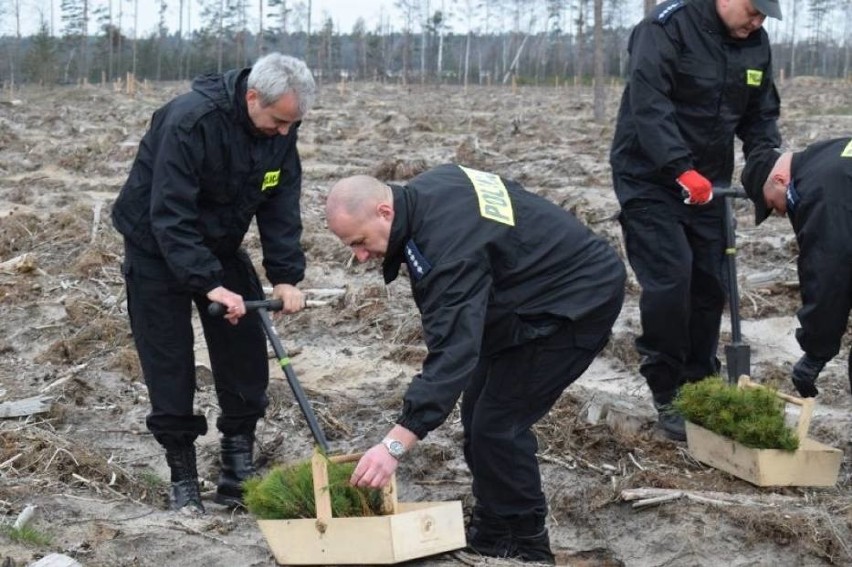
{"x": 752, "y": 417}
{"x": 287, "y": 492}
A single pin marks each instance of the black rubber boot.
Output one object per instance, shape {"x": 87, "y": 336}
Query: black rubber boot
{"x": 185, "y": 494}
{"x": 668, "y": 420}
{"x": 236, "y": 466}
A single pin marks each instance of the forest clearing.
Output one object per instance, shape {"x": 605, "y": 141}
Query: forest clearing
{"x": 81, "y": 454}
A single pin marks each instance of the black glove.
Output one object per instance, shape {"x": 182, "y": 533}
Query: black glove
{"x": 805, "y": 373}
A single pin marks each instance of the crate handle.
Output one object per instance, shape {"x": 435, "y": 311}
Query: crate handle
{"x": 322, "y": 498}
{"x": 807, "y": 405}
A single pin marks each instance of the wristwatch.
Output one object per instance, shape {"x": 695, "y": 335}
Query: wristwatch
{"x": 395, "y": 448}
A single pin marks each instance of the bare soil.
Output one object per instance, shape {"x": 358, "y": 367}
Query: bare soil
{"x": 99, "y": 480}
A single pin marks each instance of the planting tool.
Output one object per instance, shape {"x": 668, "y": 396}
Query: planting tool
{"x": 738, "y": 353}
{"x": 263, "y": 307}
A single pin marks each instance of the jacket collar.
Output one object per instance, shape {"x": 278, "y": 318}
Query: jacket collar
{"x": 399, "y": 234}
{"x": 236, "y": 85}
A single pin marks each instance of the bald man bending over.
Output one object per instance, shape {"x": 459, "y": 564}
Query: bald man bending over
{"x": 516, "y": 297}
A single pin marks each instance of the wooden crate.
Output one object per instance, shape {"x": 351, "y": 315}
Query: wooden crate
{"x": 408, "y": 530}
{"x": 812, "y": 464}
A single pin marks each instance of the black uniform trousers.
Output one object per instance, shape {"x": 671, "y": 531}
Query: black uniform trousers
{"x": 161, "y": 321}
{"x": 508, "y": 393}
{"x": 677, "y": 253}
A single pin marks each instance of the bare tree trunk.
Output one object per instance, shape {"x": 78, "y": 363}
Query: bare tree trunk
{"x": 84, "y": 41}
{"x": 13, "y": 65}
{"x": 440, "y": 56}
{"x": 847, "y": 73}
{"x": 600, "y": 92}
{"x": 514, "y": 65}
{"x": 649, "y": 5}
{"x": 423, "y": 42}
{"x": 260, "y": 30}
{"x": 135, "y": 33}
{"x": 466, "y": 58}
{"x": 220, "y": 39}
{"x": 308, "y": 37}
{"x": 110, "y": 38}
{"x": 180, "y": 60}
{"x": 119, "y": 68}
{"x": 580, "y": 48}
{"x": 793, "y": 49}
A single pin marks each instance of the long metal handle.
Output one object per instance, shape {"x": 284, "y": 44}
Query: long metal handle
{"x": 217, "y": 309}
{"x": 735, "y": 192}
{"x": 731, "y": 255}
{"x": 284, "y": 362}
{"x": 738, "y": 354}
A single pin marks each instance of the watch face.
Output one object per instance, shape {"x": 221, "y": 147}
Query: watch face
{"x": 395, "y": 448}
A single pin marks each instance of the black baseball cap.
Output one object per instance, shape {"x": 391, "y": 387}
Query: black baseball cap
{"x": 770, "y": 8}
{"x": 756, "y": 171}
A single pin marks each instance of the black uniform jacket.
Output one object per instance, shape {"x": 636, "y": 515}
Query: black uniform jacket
{"x": 822, "y": 221}
{"x": 201, "y": 174}
{"x": 691, "y": 87}
{"x": 491, "y": 266}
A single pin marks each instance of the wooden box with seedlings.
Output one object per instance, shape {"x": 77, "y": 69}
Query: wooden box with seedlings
{"x": 742, "y": 431}
{"x": 311, "y": 515}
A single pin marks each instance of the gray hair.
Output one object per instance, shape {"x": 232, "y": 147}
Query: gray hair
{"x": 276, "y": 74}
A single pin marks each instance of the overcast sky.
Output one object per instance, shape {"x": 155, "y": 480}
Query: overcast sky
{"x": 343, "y": 12}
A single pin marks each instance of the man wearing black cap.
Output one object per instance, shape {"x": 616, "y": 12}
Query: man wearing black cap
{"x": 814, "y": 188}
{"x": 700, "y": 73}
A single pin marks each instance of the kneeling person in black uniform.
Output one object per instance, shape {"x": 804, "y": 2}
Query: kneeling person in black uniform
{"x": 516, "y": 297}
{"x": 814, "y": 188}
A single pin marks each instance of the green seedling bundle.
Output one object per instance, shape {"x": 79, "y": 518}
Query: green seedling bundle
{"x": 287, "y": 492}
{"x": 752, "y": 417}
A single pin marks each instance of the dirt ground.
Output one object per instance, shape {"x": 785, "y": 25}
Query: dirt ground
{"x": 99, "y": 480}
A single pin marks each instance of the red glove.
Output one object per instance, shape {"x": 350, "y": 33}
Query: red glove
{"x": 697, "y": 189}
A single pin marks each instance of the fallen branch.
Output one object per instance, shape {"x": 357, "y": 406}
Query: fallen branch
{"x": 96, "y": 221}
{"x": 23, "y": 264}
{"x": 10, "y": 460}
{"x": 658, "y": 500}
{"x": 70, "y": 374}
{"x": 190, "y": 530}
{"x": 652, "y": 496}
{"x": 26, "y": 406}
{"x": 603, "y": 469}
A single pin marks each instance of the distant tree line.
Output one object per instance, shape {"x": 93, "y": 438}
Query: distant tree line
{"x": 529, "y": 41}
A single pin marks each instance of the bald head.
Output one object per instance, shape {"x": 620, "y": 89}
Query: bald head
{"x": 356, "y": 196}
{"x": 359, "y": 210}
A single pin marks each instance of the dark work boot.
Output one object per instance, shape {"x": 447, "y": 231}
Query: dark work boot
{"x": 185, "y": 493}
{"x": 525, "y": 539}
{"x": 531, "y": 539}
{"x": 236, "y": 466}
{"x": 488, "y": 535}
{"x": 669, "y": 421}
